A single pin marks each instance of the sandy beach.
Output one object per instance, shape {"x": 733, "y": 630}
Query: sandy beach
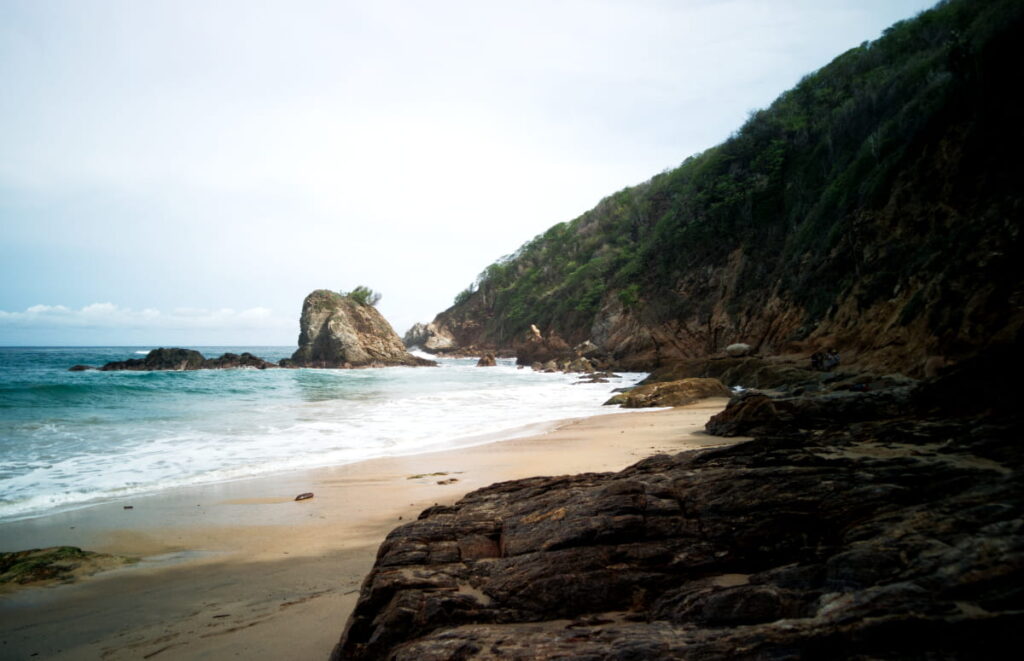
{"x": 242, "y": 569}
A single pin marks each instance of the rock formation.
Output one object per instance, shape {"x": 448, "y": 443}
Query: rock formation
{"x": 182, "y": 360}
{"x": 429, "y": 337}
{"x": 487, "y": 360}
{"x": 670, "y": 393}
{"x": 893, "y": 527}
{"x": 337, "y": 331}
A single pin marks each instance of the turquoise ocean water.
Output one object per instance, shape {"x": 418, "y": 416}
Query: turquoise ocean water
{"x": 69, "y": 439}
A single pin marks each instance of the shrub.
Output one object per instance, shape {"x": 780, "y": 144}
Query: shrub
{"x": 363, "y": 296}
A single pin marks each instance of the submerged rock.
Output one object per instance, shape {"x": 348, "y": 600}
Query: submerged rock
{"x": 487, "y": 360}
{"x": 337, "y": 331}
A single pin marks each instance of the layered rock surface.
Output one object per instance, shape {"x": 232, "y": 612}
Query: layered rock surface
{"x": 890, "y": 527}
{"x": 337, "y": 331}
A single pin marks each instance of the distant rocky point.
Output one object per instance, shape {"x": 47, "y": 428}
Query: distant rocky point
{"x": 340, "y": 331}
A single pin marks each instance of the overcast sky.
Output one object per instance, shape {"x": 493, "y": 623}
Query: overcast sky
{"x": 184, "y": 173}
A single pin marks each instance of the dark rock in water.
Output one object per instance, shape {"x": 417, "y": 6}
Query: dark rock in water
{"x": 234, "y": 361}
{"x": 671, "y": 393}
{"x": 538, "y": 348}
{"x": 487, "y": 360}
{"x": 338, "y": 331}
{"x": 864, "y": 525}
{"x": 185, "y": 359}
{"x": 160, "y": 359}
{"x": 80, "y": 368}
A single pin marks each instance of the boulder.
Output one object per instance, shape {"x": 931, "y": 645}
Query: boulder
{"x": 580, "y": 365}
{"x": 738, "y": 350}
{"x": 429, "y": 337}
{"x": 339, "y": 332}
{"x": 416, "y": 336}
{"x": 538, "y": 348}
{"x": 487, "y": 360}
{"x": 671, "y": 393}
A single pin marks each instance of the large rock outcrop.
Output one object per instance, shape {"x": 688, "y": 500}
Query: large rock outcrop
{"x": 892, "y": 528}
{"x": 337, "y": 331}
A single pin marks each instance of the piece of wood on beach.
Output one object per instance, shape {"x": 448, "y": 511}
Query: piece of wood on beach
{"x": 304, "y": 496}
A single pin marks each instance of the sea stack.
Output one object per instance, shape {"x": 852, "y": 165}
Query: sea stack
{"x": 340, "y": 331}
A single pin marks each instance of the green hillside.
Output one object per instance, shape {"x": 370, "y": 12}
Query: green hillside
{"x": 893, "y": 173}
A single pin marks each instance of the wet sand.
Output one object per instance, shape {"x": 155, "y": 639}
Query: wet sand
{"x": 242, "y": 569}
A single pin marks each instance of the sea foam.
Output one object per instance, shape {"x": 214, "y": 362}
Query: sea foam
{"x": 84, "y": 437}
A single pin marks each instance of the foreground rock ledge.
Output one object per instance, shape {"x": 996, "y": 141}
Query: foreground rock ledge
{"x": 884, "y": 537}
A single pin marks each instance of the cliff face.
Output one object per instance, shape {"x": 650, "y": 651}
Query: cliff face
{"x": 873, "y": 208}
{"x": 337, "y": 331}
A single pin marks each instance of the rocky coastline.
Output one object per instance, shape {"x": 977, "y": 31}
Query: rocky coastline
{"x": 880, "y": 521}
{"x": 335, "y": 331}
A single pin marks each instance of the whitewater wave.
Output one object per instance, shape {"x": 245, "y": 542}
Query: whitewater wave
{"x": 119, "y": 434}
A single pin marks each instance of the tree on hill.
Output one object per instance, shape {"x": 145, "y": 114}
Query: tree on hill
{"x": 363, "y": 296}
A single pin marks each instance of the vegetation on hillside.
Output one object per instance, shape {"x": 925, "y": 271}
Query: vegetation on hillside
{"x": 791, "y": 188}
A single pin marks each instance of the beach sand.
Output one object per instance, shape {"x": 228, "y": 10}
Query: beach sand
{"x": 242, "y": 569}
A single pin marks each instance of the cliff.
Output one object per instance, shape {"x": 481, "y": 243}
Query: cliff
{"x": 339, "y": 331}
{"x": 873, "y": 208}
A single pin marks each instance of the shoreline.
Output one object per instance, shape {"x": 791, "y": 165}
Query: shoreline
{"x": 181, "y": 490}
{"x": 241, "y": 567}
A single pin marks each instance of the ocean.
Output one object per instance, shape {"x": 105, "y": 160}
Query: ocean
{"x": 70, "y": 439}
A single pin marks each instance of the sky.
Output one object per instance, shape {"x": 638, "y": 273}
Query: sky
{"x": 185, "y": 172}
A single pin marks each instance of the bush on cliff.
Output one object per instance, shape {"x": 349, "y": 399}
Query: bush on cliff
{"x": 363, "y": 296}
